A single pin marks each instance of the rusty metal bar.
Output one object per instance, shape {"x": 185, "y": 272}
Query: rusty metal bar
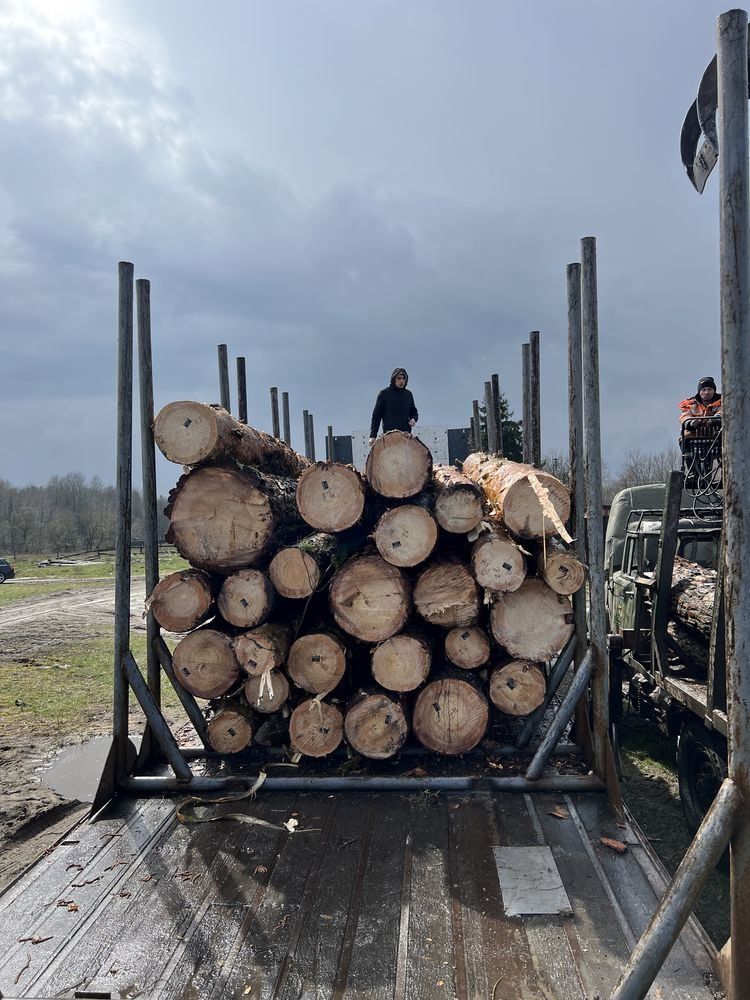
{"x": 221, "y": 351}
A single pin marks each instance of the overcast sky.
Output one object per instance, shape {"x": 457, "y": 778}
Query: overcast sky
{"x": 334, "y": 188}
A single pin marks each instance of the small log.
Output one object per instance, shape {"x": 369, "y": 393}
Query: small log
{"x": 267, "y": 692}
{"x": 294, "y": 573}
{"x": 446, "y": 594}
{"x": 517, "y": 687}
{"x": 375, "y": 725}
{"x": 191, "y": 433}
{"x": 331, "y": 496}
{"x": 533, "y": 622}
{"x": 205, "y": 663}
{"x": 693, "y": 593}
{"x": 692, "y": 646}
{"x": 467, "y": 647}
{"x": 246, "y": 598}
{"x": 231, "y": 729}
{"x": 508, "y": 488}
{"x": 398, "y": 465}
{"x": 406, "y": 535}
{"x": 498, "y": 563}
{"x": 402, "y": 662}
{"x": 458, "y": 500}
{"x": 316, "y": 728}
{"x": 317, "y": 662}
{"x": 450, "y": 715}
{"x": 369, "y": 598}
{"x": 263, "y": 648}
{"x": 560, "y": 569}
{"x": 183, "y": 600}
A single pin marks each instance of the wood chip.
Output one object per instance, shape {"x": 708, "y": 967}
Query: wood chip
{"x": 614, "y": 845}
{"x": 559, "y": 811}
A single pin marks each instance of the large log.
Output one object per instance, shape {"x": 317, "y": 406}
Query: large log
{"x": 375, "y": 725}
{"x": 498, "y": 563}
{"x": 467, "y": 647}
{"x": 446, "y": 594}
{"x": 331, "y": 496}
{"x": 693, "y": 592}
{"x": 369, "y": 598}
{"x": 406, "y": 535}
{"x": 267, "y": 692}
{"x": 263, "y": 648}
{"x": 315, "y": 728}
{"x": 532, "y": 623}
{"x": 559, "y": 568}
{"x": 508, "y": 487}
{"x": 317, "y": 662}
{"x": 398, "y": 465}
{"x": 246, "y": 598}
{"x": 205, "y": 663}
{"x": 450, "y": 715}
{"x": 223, "y": 518}
{"x": 517, "y": 687}
{"x": 402, "y": 662}
{"x": 191, "y": 433}
{"x": 183, "y": 600}
{"x": 458, "y": 500}
{"x": 231, "y": 729}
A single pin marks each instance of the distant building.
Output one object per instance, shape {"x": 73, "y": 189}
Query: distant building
{"x": 448, "y": 445}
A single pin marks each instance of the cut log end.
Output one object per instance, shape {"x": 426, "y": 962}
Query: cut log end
{"x": 268, "y": 692}
{"x": 458, "y": 501}
{"x": 375, "y": 726}
{"x": 398, "y": 465}
{"x": 517, "y": 687}
{"x": 230, "y": 730}
{"x": 402, "y": 662}
{"x": 450, "y": 716}
{"x": 263, "y": 648}
{"x": 562, "y": 572}
{"x": 498, "y": 563}
{"x": 294, "y": 573}
{"x": 316, "y": 729}
{"x": 186, "y": 432}
{"x": 205, "y": 664}
{"x": 405, "y": 536}
{"x": 330, "y": 496}
{"x": 246, "y": 598}
{"x": 446, "y": 594}
{"x": 182, "y": 600}
{"x": 467, "y": 647}
{"x": 532, "y": 623}
{"x": 317, "y": 662}
{"x": 370, "y": 599}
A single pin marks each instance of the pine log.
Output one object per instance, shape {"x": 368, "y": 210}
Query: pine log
{"x": 191, "y": 433}
{"x": 267, "y": 692}
{"x": 331, "y": 496}
{"x": 369, "y": 598}
{"x": 517, "y": 687}
{"x": 458, "y": 500}
{"x": 498, "y": 563}
{"x": 398, "y": 465}
{"x": 406, "y": 535}
{"x": 375, "y": 725}
{"x": 693, "y": 593}
{"x": 263, "y": 648}
{"x": 533, "y": 622}
{"x": 294, "y": 573}
{"x": 450, "y": 715}
{"x": 205, "y": 663}
{"x": 559, "y": 568}
{"x": 183, "y": 600}
{"x": 316, "y": 729}
{"x": 402, "y": 662}
{"x": 507, "y": 487}
{"x": 231, "y": 729}
{"x": 692, "y": 646}
{"x": 246, "y": 598}
{"x": 446, "y": 594}
{"x": 317, "y": 662}
{"x": 224, "y": 518}
{"x": 467, "y": 647}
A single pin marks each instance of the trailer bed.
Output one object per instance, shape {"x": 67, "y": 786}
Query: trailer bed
{"x": 378, "y": 894}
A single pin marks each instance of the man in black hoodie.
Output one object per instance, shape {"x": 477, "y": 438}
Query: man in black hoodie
{"x": 394, "y": 406}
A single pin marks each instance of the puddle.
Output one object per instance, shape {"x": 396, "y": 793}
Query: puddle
{"x": 75, "y": 771}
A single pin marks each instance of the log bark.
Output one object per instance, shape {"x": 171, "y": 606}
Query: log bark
{"x": 693, "y": 592}
{"x": 560, "y": 569}
{"x": 498, "y": 563}
{"x": 402, "y": 662}
{"x": 517, "y": 687}
{"x": 398, "y": 465}
{"x": 375, "y": 725}
{"x": 692, "y": 645}
{"x": 331, "y": 496}
{"x": 507, "y": 486}
{"x": 183, "y": 600}
{"x": 467, "y": 648}
{"x": 231, "y": 729}
{"x": 532, "y": 623}
{"x": 316, "y": 729}
{"x": 263, "y": 648}
{"x": 406, "y": 535}
{"x": 205, "y": 663}
{"x": 450, "y": 715}
{"x": 317, "y": 662}
{"x": 267, "y": 692}
{"x": 191, "y": 433}
{"x": 246, "y": 598}
{"x": 369, "y": 598}
{"x": 446, "y": 594}
{"x": 223, "y": 518}
{"x": 458, "y": 500}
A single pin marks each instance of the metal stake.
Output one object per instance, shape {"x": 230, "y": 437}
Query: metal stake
{"x": 241, "y": 391}
{"x": 275, "y": 412}
{"x": 535, "y": 411}
{"x": 221, "y": 350}
{"x": 285, "y": 413}
{"x": 477, "y": 426}
{"x": 575, "y": 436}
{"x": 496, "y": 415}
{"x": 489, "y": 418}
{"x": 312, "y": 436}
{"x": 526, "y": 407}
{"x": 329, "y": 444}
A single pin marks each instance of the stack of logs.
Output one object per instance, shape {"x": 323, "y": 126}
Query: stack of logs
{"x": 324, "y": 606}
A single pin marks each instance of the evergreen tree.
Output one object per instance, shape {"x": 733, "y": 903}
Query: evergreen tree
{"x": 512, "y": 429}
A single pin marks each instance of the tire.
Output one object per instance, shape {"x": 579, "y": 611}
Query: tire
{"x": 2, "y": 578}
{"x": 701, "y": 768}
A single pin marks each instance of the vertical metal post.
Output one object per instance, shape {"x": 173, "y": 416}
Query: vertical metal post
{"x": 593, "y": 479}
{"x": 329, "y": 444}
{"x": 489, "y": 418}
{"x": 306, "y": 430}
{"x": 124, "y": 508}
{"x": 496, "y": 415}
{"x": 535, "y": 409}
{"x": 285, "y": 414}
{"x": 221, "y": 351}
{"x": 473, "y": 435}
{"x": 526, "y": 405}
{"x": 241, "y": 391}
{"x": 311, "y": 425}
{"x": 734, "y": 223}
{"x": 575, "y": 436}
{"x": 275, "y": 412}
{"x": 477, "y": 425}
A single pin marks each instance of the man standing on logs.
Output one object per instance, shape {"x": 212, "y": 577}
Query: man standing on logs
{"x": 394, "y": 406}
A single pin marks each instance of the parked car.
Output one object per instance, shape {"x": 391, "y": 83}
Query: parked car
{"x": 6, "y": 570}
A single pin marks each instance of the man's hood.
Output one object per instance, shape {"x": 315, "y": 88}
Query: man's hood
{"x": 399, "y": 371}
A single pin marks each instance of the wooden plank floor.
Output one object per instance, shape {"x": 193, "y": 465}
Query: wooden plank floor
{"x": 377, "y": 895}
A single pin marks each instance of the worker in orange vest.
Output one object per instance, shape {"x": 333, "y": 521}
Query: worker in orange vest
{"x": 705, "y": 403}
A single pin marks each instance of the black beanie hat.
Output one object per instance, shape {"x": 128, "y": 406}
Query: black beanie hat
{"x": 706, "y": 383}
